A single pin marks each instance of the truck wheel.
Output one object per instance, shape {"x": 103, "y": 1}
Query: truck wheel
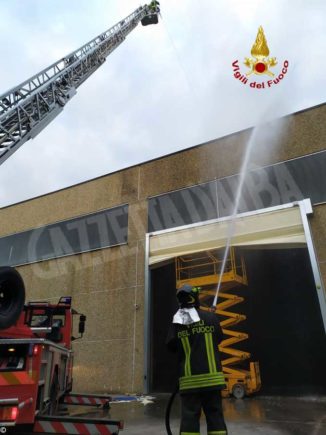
{"x": 12, "y": 296}
{"x": 238, "y": 391}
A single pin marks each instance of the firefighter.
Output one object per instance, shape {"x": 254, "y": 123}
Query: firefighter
{"x": 195, "y": 335}
{"x": 154, "y": 7}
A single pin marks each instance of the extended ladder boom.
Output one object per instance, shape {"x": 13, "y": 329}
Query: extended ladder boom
{"x": 29, "y": 107}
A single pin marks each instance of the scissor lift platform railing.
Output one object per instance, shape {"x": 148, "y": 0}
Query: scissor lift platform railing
{"x": 202, "y": 270}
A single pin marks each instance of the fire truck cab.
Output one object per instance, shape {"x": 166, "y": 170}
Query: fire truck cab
{"x": 35, "y": 359}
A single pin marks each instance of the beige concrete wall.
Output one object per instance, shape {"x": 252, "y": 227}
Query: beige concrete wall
{"x": 108, "y": 285}
{"x": 293, "y": 136}
{"x": 104, "y": 286}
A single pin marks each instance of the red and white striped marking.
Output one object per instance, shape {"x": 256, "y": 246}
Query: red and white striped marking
{"x": 75, "y": 428}
{"x": 86, "y": 400}
{"x": 15, "y": 378}
{"x": 25, "y": 403}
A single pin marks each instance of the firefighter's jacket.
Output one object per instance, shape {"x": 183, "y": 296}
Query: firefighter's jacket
{"x": 153, "y": 6}
{"x": 197, "y": 347}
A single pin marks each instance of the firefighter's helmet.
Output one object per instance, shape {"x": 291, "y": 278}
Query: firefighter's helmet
{"x": 188, "y": 296}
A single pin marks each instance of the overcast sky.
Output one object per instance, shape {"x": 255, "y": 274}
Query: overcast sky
{"x": 166, "y": 88}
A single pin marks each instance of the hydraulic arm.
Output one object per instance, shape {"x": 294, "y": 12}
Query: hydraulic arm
{"x": 29, "y": 107}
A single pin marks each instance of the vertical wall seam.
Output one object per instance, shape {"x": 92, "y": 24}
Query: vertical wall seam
{"x": 138, "y": 188}
{"x": 135, "y": 324}
{"x": 217, "y": 204}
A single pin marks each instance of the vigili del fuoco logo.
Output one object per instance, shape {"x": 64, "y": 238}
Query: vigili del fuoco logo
{"x": 260, "y": 65}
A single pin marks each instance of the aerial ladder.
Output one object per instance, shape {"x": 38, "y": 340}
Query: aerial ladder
{"x": 203, "y": 270}
{"x": 36, "y": 358}
{"x": 29, "y": 107}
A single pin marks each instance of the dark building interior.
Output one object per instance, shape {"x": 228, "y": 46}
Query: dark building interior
{"x": 284, "y": 322}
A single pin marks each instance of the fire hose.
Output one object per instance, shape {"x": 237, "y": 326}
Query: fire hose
{"x": 168, "y": 410}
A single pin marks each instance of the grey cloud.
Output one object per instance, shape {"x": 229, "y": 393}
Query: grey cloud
{"x": 166, "y": 88}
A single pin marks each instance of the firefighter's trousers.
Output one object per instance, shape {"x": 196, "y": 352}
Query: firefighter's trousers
{"x": 208, "y": 401}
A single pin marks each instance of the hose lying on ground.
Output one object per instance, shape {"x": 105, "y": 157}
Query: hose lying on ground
{"x": 168, "y": 410}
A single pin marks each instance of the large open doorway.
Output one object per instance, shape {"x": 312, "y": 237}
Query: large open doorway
{"x": 283, "y": 309}
{"x": 283, "y": 321}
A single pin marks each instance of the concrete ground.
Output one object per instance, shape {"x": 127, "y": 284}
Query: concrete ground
{"x": 256, "y": 415}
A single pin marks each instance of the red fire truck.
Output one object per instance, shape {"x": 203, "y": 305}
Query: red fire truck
{"x": 36, "y": 360}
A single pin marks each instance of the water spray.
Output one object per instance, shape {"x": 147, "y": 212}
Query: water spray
{"x": 231, "y": 225}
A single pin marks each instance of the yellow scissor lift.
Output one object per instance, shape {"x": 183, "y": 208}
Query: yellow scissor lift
{"x": 202, "y": 270}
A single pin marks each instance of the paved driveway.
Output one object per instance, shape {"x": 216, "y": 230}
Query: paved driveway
{"x": 256, "y": 415}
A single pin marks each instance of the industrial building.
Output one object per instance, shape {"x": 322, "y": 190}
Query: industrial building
{"x": 112, "y": 244}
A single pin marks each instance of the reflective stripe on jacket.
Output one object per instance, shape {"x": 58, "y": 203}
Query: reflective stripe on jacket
{"x": 199, "y": 359}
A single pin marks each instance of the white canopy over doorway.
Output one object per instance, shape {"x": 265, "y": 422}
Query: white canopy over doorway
{"x": 279, "y": 228}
